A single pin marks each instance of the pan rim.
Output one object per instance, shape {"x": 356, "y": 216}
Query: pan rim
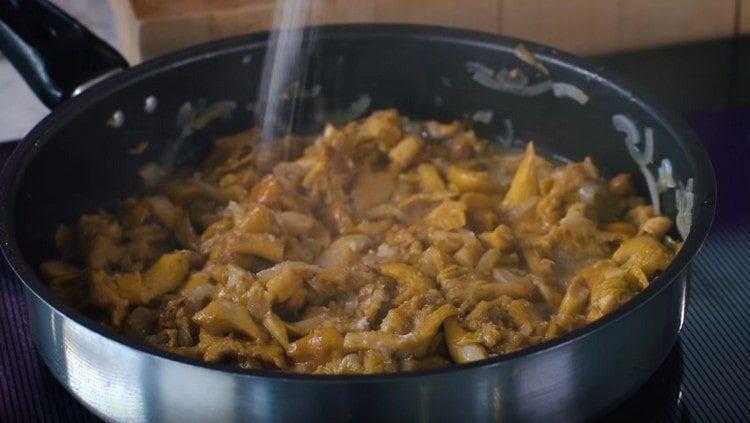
{"x": 675, "y": 126}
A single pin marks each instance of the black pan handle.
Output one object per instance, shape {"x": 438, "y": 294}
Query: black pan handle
{"x": 56, "y": 55}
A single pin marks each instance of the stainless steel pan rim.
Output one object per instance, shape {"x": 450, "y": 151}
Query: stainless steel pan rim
{"x": 10, "y": 177}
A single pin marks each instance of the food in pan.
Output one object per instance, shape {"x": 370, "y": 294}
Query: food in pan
{"x": 383, "y": 245}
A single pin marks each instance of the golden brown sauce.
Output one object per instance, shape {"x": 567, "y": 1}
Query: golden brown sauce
{"x": 384, "y": 246}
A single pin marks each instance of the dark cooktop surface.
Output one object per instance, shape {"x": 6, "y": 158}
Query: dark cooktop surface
{"x": 705, "y": 378}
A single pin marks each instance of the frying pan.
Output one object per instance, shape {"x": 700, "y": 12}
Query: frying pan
{"x": 77, "y": 159}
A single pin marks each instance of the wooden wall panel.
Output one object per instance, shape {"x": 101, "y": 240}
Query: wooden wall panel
{"x": 342, "y": 11}
{"x": 581, "y": 26}
{"x": 151, "y": 27}
{"x": 603, "y": 26}
{"x": 743, "y": 18}
{"x": 645, "y": 23}
{"x": 482, "y": 15}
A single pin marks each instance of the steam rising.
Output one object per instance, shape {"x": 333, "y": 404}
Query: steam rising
{"x": 285, "y": 65}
